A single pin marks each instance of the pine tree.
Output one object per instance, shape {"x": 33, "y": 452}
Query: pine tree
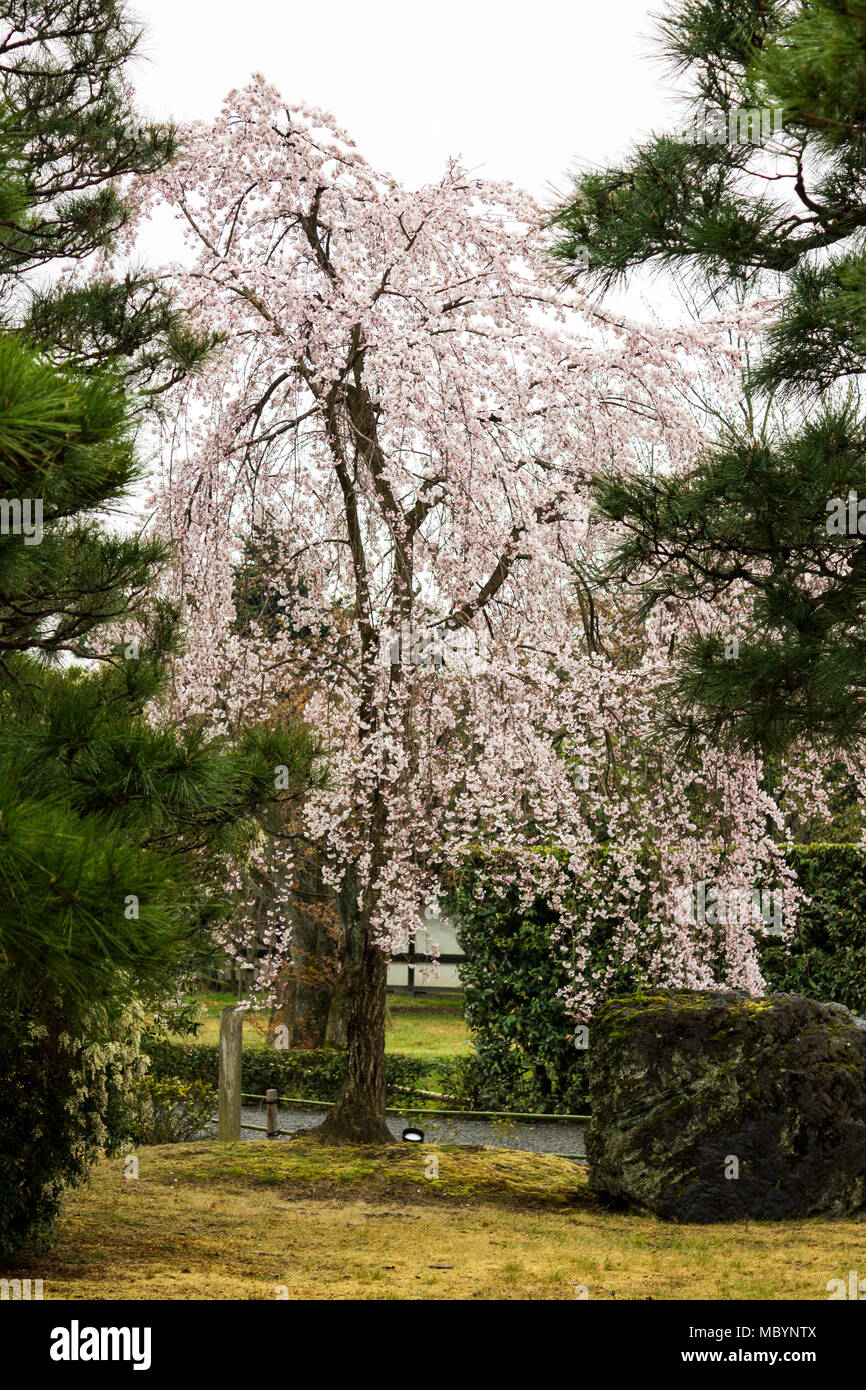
{"x": 765, "y": 188}
{"x": 115, "y": 829}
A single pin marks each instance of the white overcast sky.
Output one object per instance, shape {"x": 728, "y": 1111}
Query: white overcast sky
{"x": 518, "y": 91}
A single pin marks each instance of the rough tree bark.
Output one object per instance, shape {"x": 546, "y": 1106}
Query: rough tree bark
{"x": 308, "y": 981}
{"x": 359, "y": 1115}
{"x": 340, "y": 1010}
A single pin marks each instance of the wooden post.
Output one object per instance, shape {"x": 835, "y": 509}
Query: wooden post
{"x": 231, "y": 1059}
{"x": 273, "y": 1127}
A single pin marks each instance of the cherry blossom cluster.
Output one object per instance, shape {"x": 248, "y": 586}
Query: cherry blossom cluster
{"x": 407, "y": 417}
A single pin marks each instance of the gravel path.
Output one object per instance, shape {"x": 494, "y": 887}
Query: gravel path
{"x": 548, "y": 1136}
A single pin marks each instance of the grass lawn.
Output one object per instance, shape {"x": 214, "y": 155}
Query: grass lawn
{"x": 250, "y": 1220}
{"x": 424, "y": 1026}
{"x": 419, "y": 1026}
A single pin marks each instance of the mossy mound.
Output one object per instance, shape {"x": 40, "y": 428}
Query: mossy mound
{"x": 300, "y": 1167}
{"x": 718, "y": 1106}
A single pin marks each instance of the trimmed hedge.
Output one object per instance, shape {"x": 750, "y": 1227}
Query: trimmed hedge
{"x": 310, "y": 1074}
{"x": 166, "y": 1110}
{"x": 827, "y": 958}
{"x": 525, "y": 1057}
{"x": 525, "y": 1054}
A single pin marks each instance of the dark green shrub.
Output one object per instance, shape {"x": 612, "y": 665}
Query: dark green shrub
{"x": 467, "y": 1082}
{"x": 525, "y": 1055}
{"x": 827, "y": 958}
{"x": 63, "y": 1100}
{"x": 311, "y": 1074}
{"x": 166, "y": 1110}
{"x": 525, "y": 1058}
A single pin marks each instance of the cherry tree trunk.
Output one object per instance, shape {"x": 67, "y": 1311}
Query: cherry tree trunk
{"x": 359, "y": 1115}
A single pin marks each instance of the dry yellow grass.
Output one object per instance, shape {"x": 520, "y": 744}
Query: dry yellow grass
{"x": 260, "y": 1221}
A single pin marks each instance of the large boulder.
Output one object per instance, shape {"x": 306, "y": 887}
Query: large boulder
{"x": 719, "y": 1106}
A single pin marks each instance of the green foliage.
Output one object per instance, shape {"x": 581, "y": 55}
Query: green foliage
{"x": 82, "y": 907}
{"x": 67, "y": 115}
{"x": 65, "y": 441}
{"x": 751, "y": 514}
{"x": 114, "y": 831}
{"x": 827, "y": 958}
{"x": 68, "y": 139}
{"x": 131, "y": 321}
{"x": 525, "y": 1054}
{"x": 63, "y": 1099}
{"x": 91, "y": 796}
{"x": 754, "y": 514}
{"x": 311, "y": 1073}
{"x": 166, "y": 1110}
{"x": 699, "y": 205}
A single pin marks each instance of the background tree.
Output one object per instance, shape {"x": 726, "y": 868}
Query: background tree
{"x": 114, "y": 832}
{"x": 767, "y": 181}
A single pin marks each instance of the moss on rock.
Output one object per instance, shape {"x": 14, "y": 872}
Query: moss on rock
{"x": 690, "y": 1087}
